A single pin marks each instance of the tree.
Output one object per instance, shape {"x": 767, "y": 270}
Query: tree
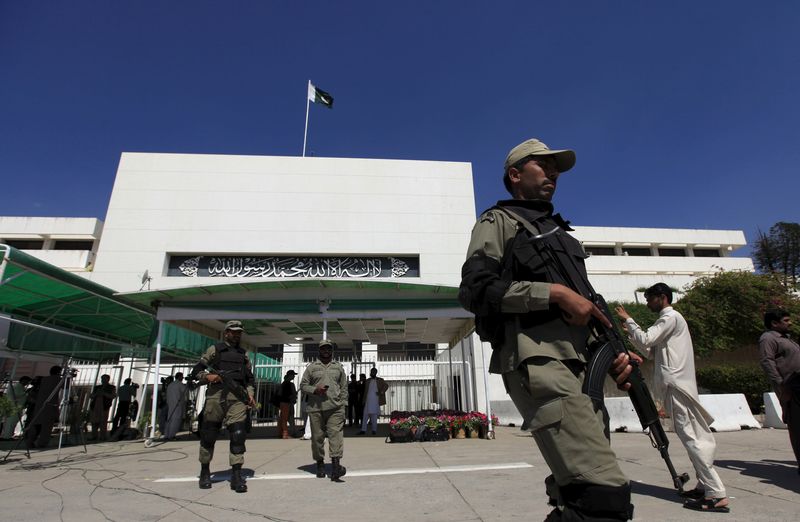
{"x": 778, "y": 252}
{"x": 725, "y": 311}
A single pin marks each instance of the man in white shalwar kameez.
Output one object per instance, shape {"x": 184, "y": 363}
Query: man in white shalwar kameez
{"x": 668, "y": 341}
{"x": 374, "y": 397}
{"x": 176, "y": 403}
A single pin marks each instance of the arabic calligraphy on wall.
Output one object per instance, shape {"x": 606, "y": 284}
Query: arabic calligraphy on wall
{"x": 293, "y": 266}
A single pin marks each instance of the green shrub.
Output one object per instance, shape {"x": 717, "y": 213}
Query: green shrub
{"x": 749, "y": 380}
{"x": 8, "y": 407}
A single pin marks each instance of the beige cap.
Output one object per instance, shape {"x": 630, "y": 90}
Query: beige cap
{"x": 565, "y": 159}
{"x": 234, "y": 325}
{"x": 326, "y": 342}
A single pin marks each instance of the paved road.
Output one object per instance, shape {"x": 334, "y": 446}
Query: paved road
{"x": 458, "y": 480}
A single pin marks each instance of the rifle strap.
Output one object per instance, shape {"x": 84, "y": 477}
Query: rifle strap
{"x": 521, "y": 220}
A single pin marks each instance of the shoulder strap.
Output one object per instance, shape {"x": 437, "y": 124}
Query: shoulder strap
{"x": 521, "y": 220}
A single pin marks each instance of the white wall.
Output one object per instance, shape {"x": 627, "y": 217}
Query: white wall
{"x": 189, "y": 203}
{"x": 51, "y": 229}
{"x": 617, "y": 277}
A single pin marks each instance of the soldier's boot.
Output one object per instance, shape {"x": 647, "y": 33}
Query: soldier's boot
{"x": 238, "y": 483}
{"x": 205, "y": 477}
{"x": 320, "y": 469}
{"x": 338, "y": 471}
{"x": 590, "y": 502}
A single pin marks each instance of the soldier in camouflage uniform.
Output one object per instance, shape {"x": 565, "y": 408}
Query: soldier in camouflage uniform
{"x": 226, "y": 370}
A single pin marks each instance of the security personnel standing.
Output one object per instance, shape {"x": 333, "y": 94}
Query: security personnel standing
{"x": 539, "y": 334}
{"x": 325, "y": 385}
{"x": 226, "y": 369}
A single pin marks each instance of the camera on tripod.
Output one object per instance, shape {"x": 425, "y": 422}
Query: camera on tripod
{"x": 70, "y": 372}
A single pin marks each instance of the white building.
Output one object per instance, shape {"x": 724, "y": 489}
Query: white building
{"x": 625, "y": 259}
{"x": 367, "y": 252}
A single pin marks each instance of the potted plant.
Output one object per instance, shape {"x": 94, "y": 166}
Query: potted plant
{"x": 474, "y": 422}
{"x": 458, "y": 424}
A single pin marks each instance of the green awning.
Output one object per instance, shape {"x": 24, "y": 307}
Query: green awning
{"x": 57, "y": 312}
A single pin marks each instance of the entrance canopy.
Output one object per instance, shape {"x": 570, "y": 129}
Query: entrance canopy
{"x": 285, "y": 312}
{"x": 54, "y": 311}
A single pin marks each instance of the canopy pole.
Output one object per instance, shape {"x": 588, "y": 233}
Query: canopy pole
{"x": 466, "y": 384}
{"x": 490, "y": 431}
{"x": 143, "y": 393}
{"x": 451, "y": 379}
{"x": 154, "y": 411}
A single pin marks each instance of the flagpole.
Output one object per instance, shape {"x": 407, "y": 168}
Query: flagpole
{"x": 305, "y": 132}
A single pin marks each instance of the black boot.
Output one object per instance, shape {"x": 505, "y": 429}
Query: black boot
{"x": 320, "y": 469}
{"x": 238, "y": 483}
{"x": 337, "y": 470}
{"x": 205, "y": 477}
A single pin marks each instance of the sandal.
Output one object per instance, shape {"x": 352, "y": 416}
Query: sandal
{"x": 694, "y": 494}
{"x": 707, "y": 504}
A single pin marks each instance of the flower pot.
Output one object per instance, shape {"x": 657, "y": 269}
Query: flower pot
{"x": 460, "y": 433}
{"x": 473, "y": 434}
{"x": 413, "y": 430}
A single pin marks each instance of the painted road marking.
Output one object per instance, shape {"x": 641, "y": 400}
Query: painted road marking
{"x": 367, "y": 473}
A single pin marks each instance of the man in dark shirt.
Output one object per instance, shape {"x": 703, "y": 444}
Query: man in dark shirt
{"x": 353, "y": 399}
{"x": 780, "y": 359}
{"x": 287, "y": 401}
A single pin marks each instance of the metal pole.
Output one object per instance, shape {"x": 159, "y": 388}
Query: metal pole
{"x": 154, "y": 411}
{"x": 305, "y": 132}
{"x": 490, "y": 434}
{"x": 473, "y": 369}
{"x": 466, "y": 383}
{"x": 144, "y": 391}
{"x": 452, "y": 382}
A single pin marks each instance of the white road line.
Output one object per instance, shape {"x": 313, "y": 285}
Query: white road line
{"x": 372, "y": 473}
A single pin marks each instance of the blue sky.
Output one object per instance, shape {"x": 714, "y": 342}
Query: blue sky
{"x": 683, "y": 114}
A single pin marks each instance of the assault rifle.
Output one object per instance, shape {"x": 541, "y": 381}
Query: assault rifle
{"x": 238, "y": 391}
{"x": 607, "y": 346}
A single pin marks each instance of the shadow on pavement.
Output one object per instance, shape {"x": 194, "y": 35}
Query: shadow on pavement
{"x": 651, "y": 490}
{"x": 781, "y": 473}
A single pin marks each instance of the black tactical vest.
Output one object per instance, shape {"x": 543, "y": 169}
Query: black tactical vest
{"x": 536, "y": 260}
{"x": 232, "y": 361}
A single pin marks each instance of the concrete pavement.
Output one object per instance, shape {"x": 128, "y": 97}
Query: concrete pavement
{"x": 458, "y": 480}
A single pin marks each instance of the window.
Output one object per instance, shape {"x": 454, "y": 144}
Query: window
{"x": 706, "y": 252}
{"x": 26, "y": 244}
{"x": 636, "y": 251}
{"x": 65, "y": 244}
{"x": 599, "y": 250}
{"x": 672, "y": 252}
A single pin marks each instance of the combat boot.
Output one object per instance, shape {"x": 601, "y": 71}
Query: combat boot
{"x": 320, "y": 469}
{"x": 205, "y": 477}
{"x": 337, "y": 470}
{"x": 238, "y": 483}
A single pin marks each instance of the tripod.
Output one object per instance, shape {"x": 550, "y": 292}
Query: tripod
{"x": 64, "y": 385}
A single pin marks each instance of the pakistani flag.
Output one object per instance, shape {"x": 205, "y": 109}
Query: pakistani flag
{"x": 317, "y": 95}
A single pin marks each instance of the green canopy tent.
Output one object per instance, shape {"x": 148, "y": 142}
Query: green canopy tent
{"x": 55, "y": 312}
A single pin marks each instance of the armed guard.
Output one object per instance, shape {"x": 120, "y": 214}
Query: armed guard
{"x": 538, "y": 330}
{"x": 324, "y": 384}
{"x": 226, "y": 370}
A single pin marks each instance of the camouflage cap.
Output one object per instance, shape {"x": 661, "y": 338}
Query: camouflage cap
{"x": 565, "y": 159}
{"x": 234, "y": 325}
{"x": 326, "y": 342}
